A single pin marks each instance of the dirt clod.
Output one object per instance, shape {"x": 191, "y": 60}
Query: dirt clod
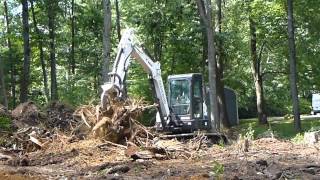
{"x": 26, "y": 114}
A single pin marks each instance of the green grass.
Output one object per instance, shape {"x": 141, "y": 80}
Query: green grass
{"x": 282, "y": 128}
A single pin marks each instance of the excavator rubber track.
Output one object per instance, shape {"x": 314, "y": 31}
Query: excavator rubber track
{"x": 215, "y": 137}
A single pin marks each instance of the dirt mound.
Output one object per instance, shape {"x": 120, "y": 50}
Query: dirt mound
{"x": 35, "y": 128}
{"x": 59, "y": 115}
{"x": 26, "y": 114}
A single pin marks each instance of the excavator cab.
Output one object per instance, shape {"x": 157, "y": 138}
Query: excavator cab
{"x": 186, "y": 102}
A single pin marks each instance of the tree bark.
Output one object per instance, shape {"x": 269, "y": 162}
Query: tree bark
{"x": 204, "y": 47}
{"x": 205, "y": 9}
{"x": 223, "y": 114}
{"x": 73, "y": 63}
{"x": 3, "y": 91}
{"x": 293, "y": 68}
{"x": 12, "y": 61}
{"x": 40, "y": 47}
{"x": 256, "y": 73}
{"x": 26, "y": 48}
{"x": 53, "y": 73}
{"x": 106, "y": 39}
{"x": 118, "y": 19}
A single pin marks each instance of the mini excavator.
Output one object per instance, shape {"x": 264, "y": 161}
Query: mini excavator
{"x": 181, "y": 112}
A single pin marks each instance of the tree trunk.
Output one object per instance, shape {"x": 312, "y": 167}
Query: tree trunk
{"x": 12, "y": 61}
{"x": 118, "y": 19}
{"x": 40, "y": 46}
{"x": 51, "y": 15}
{"x": 223, "y": 114}
{"x": 257, "y": 77}
{"x": 26, "y": 48}
{"x": 3, "y": 91}
{"x": 204, "y": 47}
{"x": 293, "y": 68}
{"x": 204, "y": 7}
{"x": 106, "y": 39}
{"x": 157, "y": 43}
{"x": 73, "y": 63}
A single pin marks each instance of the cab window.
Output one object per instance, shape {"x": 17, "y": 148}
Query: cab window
{"x": 180, "y": 96}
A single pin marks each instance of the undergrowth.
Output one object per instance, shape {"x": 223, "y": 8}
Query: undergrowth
{"x": 5, "y": 123}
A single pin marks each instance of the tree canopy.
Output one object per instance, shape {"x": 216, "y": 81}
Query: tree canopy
{"x": 172, "y": 31}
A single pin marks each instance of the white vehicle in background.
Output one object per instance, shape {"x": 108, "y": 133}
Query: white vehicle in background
{"x": 315, "y": 104}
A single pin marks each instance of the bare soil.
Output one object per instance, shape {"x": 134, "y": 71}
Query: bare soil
{"x": 266, "y": 159}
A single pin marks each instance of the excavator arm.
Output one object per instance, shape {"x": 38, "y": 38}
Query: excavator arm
{"x": 129, "y": 48}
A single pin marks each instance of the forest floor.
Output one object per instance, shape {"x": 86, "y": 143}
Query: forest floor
{"x": 260, "y": 153}
{"x": 266, "y": 158}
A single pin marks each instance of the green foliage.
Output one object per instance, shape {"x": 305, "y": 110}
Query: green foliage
{"x": 221, "y": 143}
{"x": 172, "y": 33}
{"x": 138, "y": 83}
{"x": 298, "y": 138}
{"x": 217, "y": 170}
{"x": 305, "y": 106}
{"x": 148, "y": 117}
{"x": 249, "y": 132}
{"x": 5, "y": 123}
{"x": 78, "y": 90}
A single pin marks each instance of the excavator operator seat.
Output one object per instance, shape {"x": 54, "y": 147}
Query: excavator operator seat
{"x": 186, "y": 102}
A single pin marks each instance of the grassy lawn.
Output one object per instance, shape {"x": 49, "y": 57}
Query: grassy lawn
{"x": 282, "y": 128}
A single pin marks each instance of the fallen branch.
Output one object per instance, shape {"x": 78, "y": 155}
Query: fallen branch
{"x": 84, "y": 119}
{"x": 111, "y": 143}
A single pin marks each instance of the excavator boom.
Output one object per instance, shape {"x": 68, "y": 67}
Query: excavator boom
{"x": 129, "y": 48}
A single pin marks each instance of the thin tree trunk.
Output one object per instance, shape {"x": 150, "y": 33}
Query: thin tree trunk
{"x": 3, "y": 91}
{"x": 26, "y": 47}
{"x": 118, "y": 19}
{"x": 12, "y": 61}
{"x": 204, "y": 7}
{"x": 106, "y": 39}
{"x": 158, "y": 43}
{"x": 223, "y": 114}
{"x": 40, "y": 46}
{"x": 73, "y": 63}
{"x": 204, "y": 47}
{"x": 257, "y": 77}
{"x": 51, "y": 15}
{"x": 293, "y": 68}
